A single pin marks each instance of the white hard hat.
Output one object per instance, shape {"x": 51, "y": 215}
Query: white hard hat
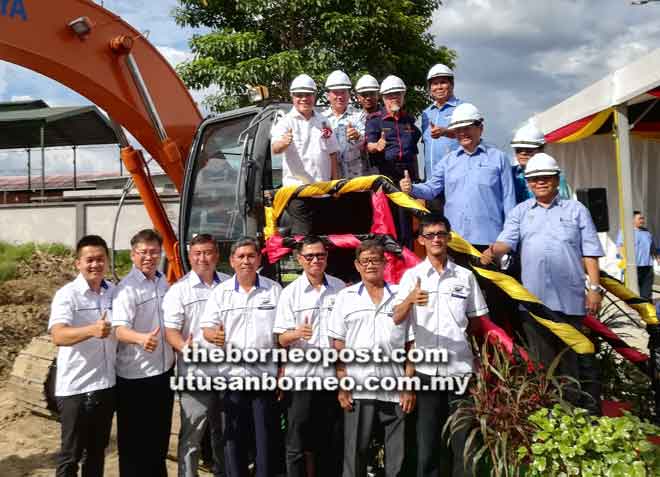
{"x": 303, "y": 84}
{"x": 367, "y": 83}
{"x": 465, "y": 114}
{"x": 392, "y": 84}
{"x": 439, "y": 70}
{"x": 541, "y": 164}
{"x": 528, "y": 136}
{"x": 338, "y": 80}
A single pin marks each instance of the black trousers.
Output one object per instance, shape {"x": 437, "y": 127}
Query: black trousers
{"x": 645, "y": 277}
{"x": 433, "y": 409}
{"x": 86, "y": 421}
{"x": 314, "y": 421}
{"x": 358, "y": 432}
{"x": 395, "y": 171}
{"x": 144, "y": 422}
{"x": 250, "y": 414}
{"x": 544, "y": 346}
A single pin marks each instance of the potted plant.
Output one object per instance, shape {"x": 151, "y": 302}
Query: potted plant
{"x": 506, "y": 391}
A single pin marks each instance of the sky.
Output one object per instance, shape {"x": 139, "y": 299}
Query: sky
{"x": 515, "y": 58}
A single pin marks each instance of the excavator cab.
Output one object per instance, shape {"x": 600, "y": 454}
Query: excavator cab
{"x": 229, "y": 169}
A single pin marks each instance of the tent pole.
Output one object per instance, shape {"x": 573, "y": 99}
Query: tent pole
{"x": 624, "y": 177}
{"x": 43, "y": 160}
{"x": 75, "y": 169}
{"x": 29, "y": 159}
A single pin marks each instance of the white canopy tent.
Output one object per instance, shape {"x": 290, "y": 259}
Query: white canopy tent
{"x": 608, "y": 135}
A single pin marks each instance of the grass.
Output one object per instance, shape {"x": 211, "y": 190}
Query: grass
{"x": 11, "y": 255}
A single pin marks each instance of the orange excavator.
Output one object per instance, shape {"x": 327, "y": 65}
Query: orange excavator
{"x": 95, "y": 53}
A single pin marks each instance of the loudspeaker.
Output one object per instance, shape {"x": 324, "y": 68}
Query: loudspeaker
{"x": 595, "y": 199}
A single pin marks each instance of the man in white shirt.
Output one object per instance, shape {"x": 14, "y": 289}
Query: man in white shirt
{"x": 362, "y": 319}
{"x": 182, "y": 309}
{"x": 240, "y": 313}
{"x": 309, "y": 149}
{"x": 302, "y": 319}
{"x": 85, "y": 383}
{"x": 145, "y": 363}
{"x": 443, "y": 299}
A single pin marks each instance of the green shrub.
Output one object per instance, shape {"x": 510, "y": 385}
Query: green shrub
{"x": 123, "y": 263}
{"x": 571, "y": 442}
{"x": 7, "y": 270}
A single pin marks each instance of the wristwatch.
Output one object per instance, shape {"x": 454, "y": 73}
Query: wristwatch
{"x": 596, "y": 288}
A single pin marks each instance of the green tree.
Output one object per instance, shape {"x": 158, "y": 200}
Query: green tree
{"x": 269, "y": 42}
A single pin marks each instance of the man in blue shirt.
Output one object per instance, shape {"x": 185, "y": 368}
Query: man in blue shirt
{"x": 644, "y": 254}
{"x": 438, "y": 140}
{"x": 527, "y": 141}
{"x": 476, "y": 179}
{"x": 558, "y": 242}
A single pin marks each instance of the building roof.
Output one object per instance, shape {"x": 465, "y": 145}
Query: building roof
{"x": 21, "y": 122}
{"x": 58, "y": 181}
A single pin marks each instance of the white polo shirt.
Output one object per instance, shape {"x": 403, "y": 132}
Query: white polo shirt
{"x": 359, "y": 323}
{"x": 183, "y": 306}
{"x": 89, "y": 365}
{"x": 300, "y": 301}
{"x": 138, "y": 306}
{"x": 248, "y": 319}
{"x": 454, "y": 296}
{"x": 307, "y": 159}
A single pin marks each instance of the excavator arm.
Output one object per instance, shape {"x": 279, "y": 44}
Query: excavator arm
{"x": 95, "y": 53}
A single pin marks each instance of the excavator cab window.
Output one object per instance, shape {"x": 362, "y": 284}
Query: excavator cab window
{"x": 211, "y": 202}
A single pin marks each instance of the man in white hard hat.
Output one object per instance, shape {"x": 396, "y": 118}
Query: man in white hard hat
{"x": 367, "y": 89}
{"x": 476, "y": 179}
{"x": 558, "y": 243}
{"x": 527, "y": 141}
{"x": 345, "y": 122}
{"x": 392, "y": 139}
{"x": 438, "y": 140}
{"x": 309, "y": 149}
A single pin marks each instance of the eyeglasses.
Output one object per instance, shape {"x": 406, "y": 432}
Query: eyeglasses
{"x": 433, "y": 235}
{"x": 301, "y": 95}
{"x": 526, "y": 150}
{"x": 373, "y": 260}
{"x": 311, "y": 256}
{"x": 150, "y": 253}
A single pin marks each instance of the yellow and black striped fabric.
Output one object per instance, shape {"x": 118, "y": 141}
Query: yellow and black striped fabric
{"x": 577, "y": 341}
{"x": 336, "y": 188}
{"x": 642, "y": 306}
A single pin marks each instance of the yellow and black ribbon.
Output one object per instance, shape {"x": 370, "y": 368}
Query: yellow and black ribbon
{"x": 337, "y": 188}
{"x": 577, "y": 341}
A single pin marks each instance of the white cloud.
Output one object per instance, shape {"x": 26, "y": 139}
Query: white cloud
{"x": 3, "y": 80}
{"x": 21, "y": 98}
{"x": 516, "y": 58}
{"x": 174, "y": 56}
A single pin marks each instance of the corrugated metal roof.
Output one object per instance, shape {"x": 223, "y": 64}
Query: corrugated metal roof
{"x": 21, "y": 122}
{"x": 56, "y": 181}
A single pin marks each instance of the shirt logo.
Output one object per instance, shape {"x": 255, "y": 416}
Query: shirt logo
{"x": 266, "y": 304}
{"x": 459, "y": 291}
